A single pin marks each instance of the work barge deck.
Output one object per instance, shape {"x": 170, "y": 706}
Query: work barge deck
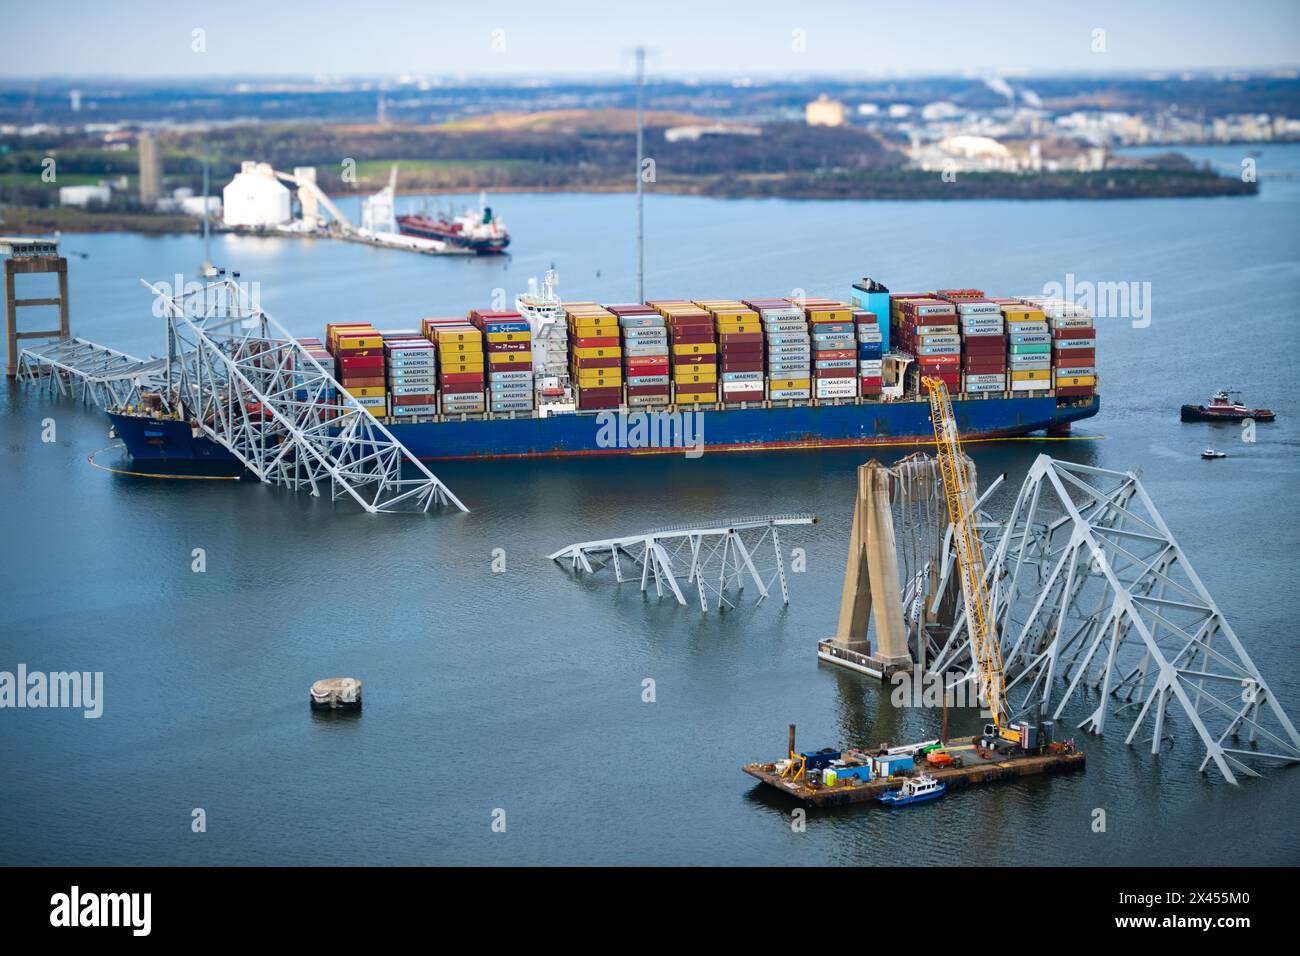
{"x": 974, "y": 772}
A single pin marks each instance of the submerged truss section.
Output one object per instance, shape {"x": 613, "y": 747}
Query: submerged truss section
{"x": 711, "y": 560}
{"x": 91, "y": 373}
{"x": 1091, "y": 589}
{"x": 240, "y": 379}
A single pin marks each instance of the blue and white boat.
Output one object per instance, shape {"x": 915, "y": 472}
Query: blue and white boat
{"x": 914, "y": 791}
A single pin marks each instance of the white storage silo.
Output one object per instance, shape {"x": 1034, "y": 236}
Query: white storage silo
{"x": 256, "y": 198}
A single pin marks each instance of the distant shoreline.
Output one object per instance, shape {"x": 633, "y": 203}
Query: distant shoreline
{"x": 890, "y": 186}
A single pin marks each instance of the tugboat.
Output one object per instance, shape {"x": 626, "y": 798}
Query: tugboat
{"x": 1213, "y": 453}
{"x": 1224, "y": 407}
{"x": 479, "y": 232}
{"x": 914, "y": 791}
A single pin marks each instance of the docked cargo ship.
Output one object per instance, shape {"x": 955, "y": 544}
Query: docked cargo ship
{"x": 479, "y": 232}
{"x": 558, "y": 379}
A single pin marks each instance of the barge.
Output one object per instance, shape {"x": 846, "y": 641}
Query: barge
{"x": 975, "y": 770}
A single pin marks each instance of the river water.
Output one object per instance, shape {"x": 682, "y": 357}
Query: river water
{"x": 522, "y": 691}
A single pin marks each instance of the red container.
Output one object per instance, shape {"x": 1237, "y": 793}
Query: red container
{"x": 694, "y": 359}
{"x": 1067, "y": 357}
{"x": 869, "y": 381}
{"x": 834, "y": 373}
{"x": 648, "y": 365}
{"x": 462, "y": 378}
{"x": 742, "y": 338}
{"x": 450, "y": 388}
{"x": 833, "y": 354}
{"x": 361, "y": 361}
{"x": 937, "y": 360}
{"x": 647, "y": 390}
{"x": 692, "y": 337}
{"x": 1075, "y": 333}
{"x": 427, "y": 399}
{"x": 1074, "y": 391}
{"x": 600, "y": 343}
{"x": 741, "y": 366}
{"x": 695, "y": 388}
{"x": 510, "y": 366}
{"x": 604, "y": 391}
{"x": 610, "y": 361}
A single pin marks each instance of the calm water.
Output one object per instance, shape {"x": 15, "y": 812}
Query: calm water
{"x": 522, "y": 690}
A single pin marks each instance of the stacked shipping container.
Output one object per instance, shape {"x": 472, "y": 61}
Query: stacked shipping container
{"x": 595, "y": 354}
{"x": 871, "y": 353}
{"x": 1074, "y": 348}
{"x": 508, "y": 348}
{"x": 645, "y": 355}
{"x": 460, "y": 365}
{"x": 1029, "y": 348}
{"x": 834, "y": 346}
{"x": 927, "y": 327}
{"x": 693, "y": 351}
{"x": 740, "y": 351}
{"x": 788, "y": 348}
{"x": 411, "y": 364}
{"x": 358, "y": 352}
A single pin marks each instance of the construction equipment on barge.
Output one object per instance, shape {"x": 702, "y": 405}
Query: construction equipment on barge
{"x": 1084, "y": 585}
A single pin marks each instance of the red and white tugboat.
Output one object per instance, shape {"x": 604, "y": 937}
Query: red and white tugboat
{"x": 1224, "y": 407}
{"x": 479, "y": 232}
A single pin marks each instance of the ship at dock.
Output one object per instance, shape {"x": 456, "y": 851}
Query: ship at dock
{"x": 479, "y": 231}
{"x": 552, "y": 378}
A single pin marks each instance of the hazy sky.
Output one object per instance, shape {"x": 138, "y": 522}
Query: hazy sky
{"x": 559, "y": 37}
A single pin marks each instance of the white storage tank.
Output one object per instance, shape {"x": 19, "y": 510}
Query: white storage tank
{"x": 255, "y": 198}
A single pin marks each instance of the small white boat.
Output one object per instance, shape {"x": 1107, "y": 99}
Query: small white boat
{"x": 914, "y": 791}
{"x": 1213, "y": 453}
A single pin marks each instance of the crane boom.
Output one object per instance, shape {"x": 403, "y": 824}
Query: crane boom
{"x": 970, "y": 551}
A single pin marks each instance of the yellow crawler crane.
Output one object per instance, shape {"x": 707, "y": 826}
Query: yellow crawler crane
{"x": 970, "y": 555}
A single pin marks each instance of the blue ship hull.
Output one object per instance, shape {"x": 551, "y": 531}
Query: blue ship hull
{"x": 749, "y": 429}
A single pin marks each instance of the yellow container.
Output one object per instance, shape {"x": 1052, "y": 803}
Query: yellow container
{"x": 590, "y": 374}
{"x": 696, "y": 398}
{"x": 693, "y": 378}
{"x": 729, "y": 328}
{"x": 1071, "y": 381}
{"x": 748, "y": 316}
{"x": 360, "y": 341}
{"x": 509, "y": 358}
{"x": 583, "y": 323}
{"x": 458, "y": 335}
{"x": 509, "y": 337}
{"x": 696, "y": 348}
{"x": 786, "y": 383}
{"x": 367, "y": 391}
{"x": 830, "y": 314}
{"x": 608, "y": 351}
{"x": 1037, "y": 375}
{"x": 450, "y": 350}
{"x": 461, "y": 368}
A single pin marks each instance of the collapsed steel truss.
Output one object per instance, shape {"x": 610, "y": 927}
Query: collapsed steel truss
{"x": 240, "y": 379}
{"x": 715, "y": 559}
{"x": 91, "y": 373}
{"x": 1090, "y": 588}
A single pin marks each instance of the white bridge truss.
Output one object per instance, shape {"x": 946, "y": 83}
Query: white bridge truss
{"x": 712, "y": 560}
{"x": 240, "y": 379}
{"x": 91, "y": 373}
{"x": 1090, "y": 589}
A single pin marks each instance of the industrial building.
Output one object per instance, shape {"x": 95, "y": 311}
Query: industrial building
{"x": 150, "y": 169}
{"x": 255, "y": 198}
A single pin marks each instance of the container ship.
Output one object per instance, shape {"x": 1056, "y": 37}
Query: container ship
{"x": 479, "y": 232}
{"x": 552, "y": 378}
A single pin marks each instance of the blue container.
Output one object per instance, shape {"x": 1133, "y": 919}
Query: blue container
{"x": 872, "y": 296}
